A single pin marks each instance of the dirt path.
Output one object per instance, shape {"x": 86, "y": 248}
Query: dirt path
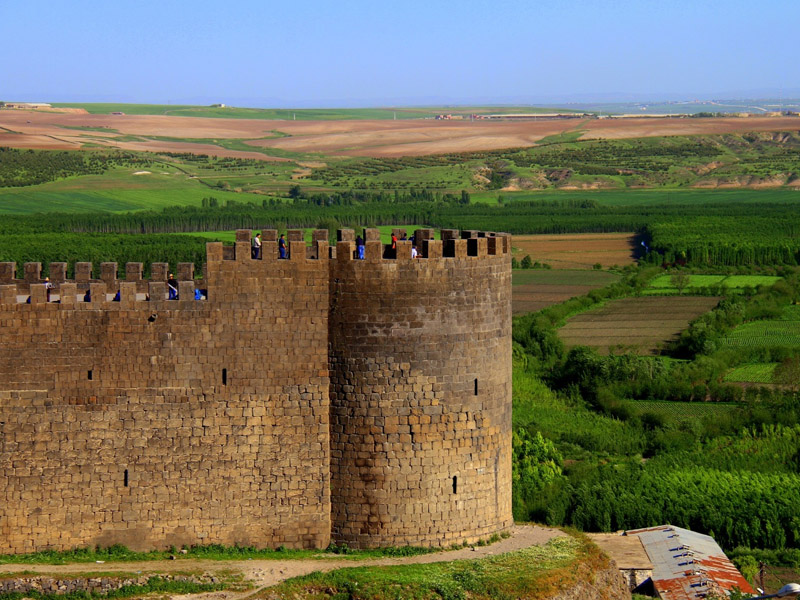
{"x": 263, "y": 573}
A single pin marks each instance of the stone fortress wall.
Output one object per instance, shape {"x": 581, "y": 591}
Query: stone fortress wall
{"x": 315, "y": 399}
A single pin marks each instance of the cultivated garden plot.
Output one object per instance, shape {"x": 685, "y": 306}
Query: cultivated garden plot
{"x": 769, "y": 333}
{"x": 676, "y": 413}
{"x": 536, "y": 289}
{"x": 753, "y": 373}
{"x": 578, "y": 250}
{"x": 664, "y": 284}
{"x": 644, "y": 324}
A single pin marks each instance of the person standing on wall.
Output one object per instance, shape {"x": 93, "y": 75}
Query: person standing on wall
{"x": 172, "y": 287}
{"x": 282, "y": 247}
{"x": 360, "y": 247}
{"x": 394, "y": 245}
{"x": 256, "y": 249}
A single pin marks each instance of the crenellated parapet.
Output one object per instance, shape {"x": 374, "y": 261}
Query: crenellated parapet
{"x": 26, "y": 285}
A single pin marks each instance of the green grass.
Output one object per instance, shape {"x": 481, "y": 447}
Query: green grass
{"x": 561, "y": 138}
{"x": 578, "y": 432}
{"x": 535, "y": 572}
{"x": 565, "y": 277}
{"x": 118, "y": 553}
{"x": 755, "y": 373}
{"x": 116, "y": 191}
{"x": 663, "y": 285}
{"x": 663, "y": 281}
{"x": 154, "y": 585}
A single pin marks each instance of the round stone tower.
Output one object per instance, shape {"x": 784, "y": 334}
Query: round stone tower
{"x": 420, "y": 366}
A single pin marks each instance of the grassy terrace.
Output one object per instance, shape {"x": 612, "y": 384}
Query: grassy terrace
{"x": 535, "y": 572}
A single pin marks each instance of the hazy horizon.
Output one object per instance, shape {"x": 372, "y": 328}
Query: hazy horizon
{"x": 413, "y": 53}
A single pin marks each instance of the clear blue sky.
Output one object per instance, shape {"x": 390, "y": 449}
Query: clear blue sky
{"x": 359, "y": 53}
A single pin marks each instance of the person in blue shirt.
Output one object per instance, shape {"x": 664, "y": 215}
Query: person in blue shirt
{"x": 282, "y": 247}
{"x": 360, "y": 248}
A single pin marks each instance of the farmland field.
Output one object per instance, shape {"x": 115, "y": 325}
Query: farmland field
{"x": 755, "y": 373}
{"x": 536, "y": 289}
{"x": 354, "y": 137}
{"x": 304, "y": 114}
{"x": 643, "y": 324}
{"x": 783, "y": 332}
{"x": 118, "y": 190}
{"x": 663, "y": 285}
{"x": 577, "y": 251}
{"x": 682, "y": 412}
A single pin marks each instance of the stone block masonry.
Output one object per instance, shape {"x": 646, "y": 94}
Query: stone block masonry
{"x": 303, "y": 400}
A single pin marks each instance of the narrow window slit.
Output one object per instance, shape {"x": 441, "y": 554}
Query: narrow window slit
{"x": 476, "y": 386}
{"x": 125, "y": 478}
{"x": 89, "y": 374}
{"x": 455, "y": 484}
{"x": 224, "y": 376}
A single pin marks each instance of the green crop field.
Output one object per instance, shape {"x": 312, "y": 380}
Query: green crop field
{"x": 783, "y": 332}
{"x": 117, "y": 190}
{"x": 663, "y": 284}
{"x": 755, "y": 373}
{"x": 679, "y": 412}
{"x": 663, "y": 281}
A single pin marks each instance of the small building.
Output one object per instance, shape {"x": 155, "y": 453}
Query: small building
{"x": 673, "y": 563}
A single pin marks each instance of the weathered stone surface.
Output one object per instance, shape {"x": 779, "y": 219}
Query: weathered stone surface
{"x": 152, "y": 422}
{"x": 420, "y": 400}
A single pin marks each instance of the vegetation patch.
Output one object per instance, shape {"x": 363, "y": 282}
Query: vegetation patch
{"x": 644, "y": 324}
{"x": 783, "y": 332}
{"x": 677, "y": 413}
{"x": 534, "y": 290}
{"x": 536, "y": 572}
{"x": 113, "y": 586}
{"x": 754, "y": 373}
{"x": 119, "y": 553}
{"x": 713, "y": 284}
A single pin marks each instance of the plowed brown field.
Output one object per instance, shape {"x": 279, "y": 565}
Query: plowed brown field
{"x": 537, "y": 289}
{"x": 33, "y": 129}
{"x": 533, "y": 297}
{"x": 644, "y": 324}
{"x": 578, "y": 250}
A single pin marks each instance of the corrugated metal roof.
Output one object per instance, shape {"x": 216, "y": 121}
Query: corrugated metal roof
{"x": 688, "y": 565}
